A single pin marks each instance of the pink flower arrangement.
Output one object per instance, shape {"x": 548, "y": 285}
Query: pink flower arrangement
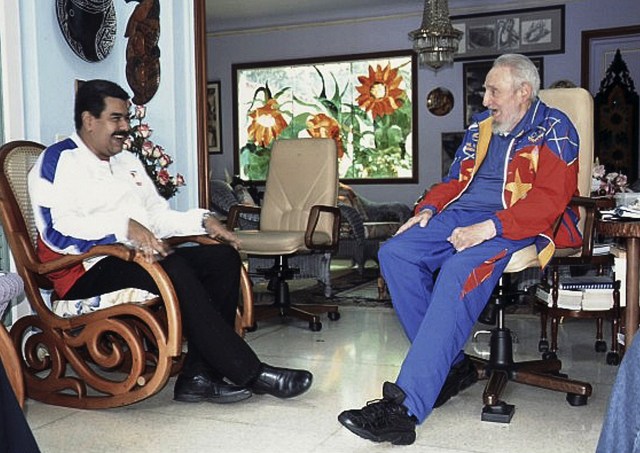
{"x": 603, "y": 183}
{"x": 153, "y": 156}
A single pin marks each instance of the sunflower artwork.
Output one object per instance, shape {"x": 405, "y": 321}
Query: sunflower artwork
{"x": 365, "y": 105}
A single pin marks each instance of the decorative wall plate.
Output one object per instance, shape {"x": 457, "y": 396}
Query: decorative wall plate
{"x": 440, "y": 101}
{"x": 88, "y": 26}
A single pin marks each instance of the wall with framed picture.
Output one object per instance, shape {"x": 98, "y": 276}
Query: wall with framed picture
{"x": 214, "y": 145}
{"x": 526, "y": 31}
{"x": 364, "y": 102}
{"x": 473, "y": 75}
{"x": 366, "y": 34}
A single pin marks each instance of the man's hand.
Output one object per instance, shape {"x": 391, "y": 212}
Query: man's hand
{"x": 422, "y": 218}
{"x": 217, "y": 230}
{"x": 464, "y": 237}
{"x": 146, "y": 242}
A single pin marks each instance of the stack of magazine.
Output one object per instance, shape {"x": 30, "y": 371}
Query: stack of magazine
{"x": 588, "y": 293}
{"x": 631, "y": 211}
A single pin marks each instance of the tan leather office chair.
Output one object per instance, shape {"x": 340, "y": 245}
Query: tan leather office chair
{"x": 299, "y": 214}
{"x": 500, "y": 368}
{"x": 107, "y": 358}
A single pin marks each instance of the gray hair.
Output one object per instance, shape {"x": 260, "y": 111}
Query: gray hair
{"x": 522, "y": 70}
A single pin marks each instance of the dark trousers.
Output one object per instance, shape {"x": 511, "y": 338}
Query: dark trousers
{"x": 207, "y": 282}
{"x": 15, "y": 434}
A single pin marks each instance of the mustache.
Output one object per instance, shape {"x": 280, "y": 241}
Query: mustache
{"x": 120, "y": 134}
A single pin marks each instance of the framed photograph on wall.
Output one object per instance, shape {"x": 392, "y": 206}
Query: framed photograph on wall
{"x": 214, "y": 144}
{"x": 364, "y": 102}
{"x": 473, "y": 75}
{"x": 533, "y": 31}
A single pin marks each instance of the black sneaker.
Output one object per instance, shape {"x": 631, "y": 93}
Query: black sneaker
{"x": 384, "y": 420}
{"x": 461, "y": 376}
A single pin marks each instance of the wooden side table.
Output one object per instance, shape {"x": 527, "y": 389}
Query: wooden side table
{"x": 630, "y": 231}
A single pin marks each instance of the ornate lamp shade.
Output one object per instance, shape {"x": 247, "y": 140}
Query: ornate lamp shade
{"x": 436, "y": 40}
{"x": 88, "y": 26}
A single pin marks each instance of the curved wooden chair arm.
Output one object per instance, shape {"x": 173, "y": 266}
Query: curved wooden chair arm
{"x": 591, "y": 207}
{"x": 118, "y": 250}
{"x": 11, "y": 364}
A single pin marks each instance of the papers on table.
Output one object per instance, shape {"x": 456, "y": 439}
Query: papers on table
{"x": 622, "y": 212}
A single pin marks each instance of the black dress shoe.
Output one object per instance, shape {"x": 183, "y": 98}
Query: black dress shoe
{"x": 202, "y": 387}
{"x": 462, "y": 375}
{"x": 281, "y": 382}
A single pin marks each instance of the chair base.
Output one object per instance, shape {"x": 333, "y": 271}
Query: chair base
{"x": 500, "y": 369}
{"x": 308, "y": 313}
{"x": 284, "y": 308}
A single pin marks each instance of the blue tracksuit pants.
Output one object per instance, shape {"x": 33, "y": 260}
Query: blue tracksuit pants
{"x": 438, "y": 314}
{"x": 621, "y": 425}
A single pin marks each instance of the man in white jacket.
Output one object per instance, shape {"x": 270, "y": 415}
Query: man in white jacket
{"x": 85, "y": 191}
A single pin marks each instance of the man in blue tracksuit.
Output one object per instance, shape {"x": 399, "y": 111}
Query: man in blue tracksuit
{"x": 512, "y": 177}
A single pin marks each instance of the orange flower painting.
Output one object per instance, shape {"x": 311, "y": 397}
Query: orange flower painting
{"x": 380, "y": 93}
{"x": 267, "y": 123}
{"x": 323, "y": 126}
{"x": 364, "y": 103}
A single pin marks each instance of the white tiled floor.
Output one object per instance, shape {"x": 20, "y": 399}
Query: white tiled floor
{"x": 350, "y": 359}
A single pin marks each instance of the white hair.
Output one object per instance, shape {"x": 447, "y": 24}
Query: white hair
{"x": 522, "y": 70}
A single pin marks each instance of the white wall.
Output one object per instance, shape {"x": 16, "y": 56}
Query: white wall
{"x": 390, "y": 33}
{"x": 50, "y": 67}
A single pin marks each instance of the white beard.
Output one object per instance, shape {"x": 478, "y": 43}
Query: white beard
{"x": 500, "y": 129}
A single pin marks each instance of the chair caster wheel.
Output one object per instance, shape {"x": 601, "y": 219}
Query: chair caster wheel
{"x": 252, "y": 328}
{"x": 543, "y": 346}
{"x": 549, "y": 355}
{"x": 315, "y": 326}
{"x": 601, "y": 346}
{"x": 613, "y": 358}
{"x": 576, "y": 400}
{"x": 334, "y": 315}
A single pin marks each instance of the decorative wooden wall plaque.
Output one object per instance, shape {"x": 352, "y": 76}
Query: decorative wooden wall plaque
{"x": 143, "y": 53}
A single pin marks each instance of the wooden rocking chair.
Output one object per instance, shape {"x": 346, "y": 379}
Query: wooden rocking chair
{"x": 107, "y": 358}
